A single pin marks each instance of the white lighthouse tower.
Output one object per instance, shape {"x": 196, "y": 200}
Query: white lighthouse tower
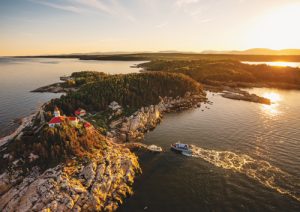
{"x": 56, "y": 112}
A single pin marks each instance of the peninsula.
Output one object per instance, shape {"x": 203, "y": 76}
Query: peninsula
{"x": 72, "y": 155}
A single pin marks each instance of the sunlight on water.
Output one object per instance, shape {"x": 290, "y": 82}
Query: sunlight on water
{"x": 283, "y": 64}
{"x": 277, "y": 63}
{"x": 259, "y": 170}
{"x": 274, "y": 97}
{"x": 272, "y": 109}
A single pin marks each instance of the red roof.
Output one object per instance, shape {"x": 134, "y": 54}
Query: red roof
{"x": 72, "y": 118}
{"x": 79, "y": 111}
{"x": 56, "y": 120}
{"x": 87, "y": 124}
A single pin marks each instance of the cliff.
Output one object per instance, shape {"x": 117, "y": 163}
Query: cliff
{"x": 83, "y": 170}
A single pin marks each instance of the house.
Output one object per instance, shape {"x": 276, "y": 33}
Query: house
{"x": 56, "y": 112}
{"x": 73, "y": 121}
{"x": 56, "y": 121}
{"x": 87, "y": 125}
{"x": 80, "y": 112}
{"x": 114, "y": 106}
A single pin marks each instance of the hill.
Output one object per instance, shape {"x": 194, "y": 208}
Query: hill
{"x": 257, "y": 51}
{"x": 131, "y": 91}
{"x": 229, "y": 72}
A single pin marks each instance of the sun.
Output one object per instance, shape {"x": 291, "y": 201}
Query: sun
{"x": 277, "y": 29}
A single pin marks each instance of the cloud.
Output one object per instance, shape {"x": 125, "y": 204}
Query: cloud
{"x": 69, "y": 8}
{"x": 95, "y": 4}
{"x": 122, "y": 11}
{"x": 110, "y": 7}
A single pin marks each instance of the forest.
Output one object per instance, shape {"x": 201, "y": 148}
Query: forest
{"x": 130, "y": 91}
{"x": 229, "y": 71}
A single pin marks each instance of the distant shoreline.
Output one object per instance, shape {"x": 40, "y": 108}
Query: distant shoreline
{"x": 192, "y": 56}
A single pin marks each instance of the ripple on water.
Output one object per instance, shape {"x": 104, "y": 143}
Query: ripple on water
{"x": 259, "y": 170}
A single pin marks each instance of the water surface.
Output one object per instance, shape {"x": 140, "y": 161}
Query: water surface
{"x": 247, "y": 158}
{"x": 18, "y": 76}
{"x": 279, "y": 63}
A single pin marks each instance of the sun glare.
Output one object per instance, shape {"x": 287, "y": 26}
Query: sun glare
{"x": 283, "y": 64}
{"x": 275, "y": 100}
{"x": 277, "y": 29}
{"x": 274, "y": 97}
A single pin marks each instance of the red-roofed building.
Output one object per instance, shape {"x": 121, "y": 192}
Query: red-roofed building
{"x": 73, "y": 121}
{"x": 80, "y": 112}
{"x": 56, "y": 121}
{"x": 87, "y": 125}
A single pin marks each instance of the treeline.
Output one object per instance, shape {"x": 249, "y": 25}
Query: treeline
{"x": 85, "y": 77}
{"x": 130, "y": 91}
{"x": 178, "y": 56}
{"x": 209, "y": 72}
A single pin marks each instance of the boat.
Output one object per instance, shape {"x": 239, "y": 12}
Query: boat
{"x": 184, "y": 149}
{"x": 187, "y": 153}
{"x": 154, "y": 148}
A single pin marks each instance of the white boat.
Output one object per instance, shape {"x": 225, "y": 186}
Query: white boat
{"x": 184, "y": 149}
{"x": 154, "y": 148}
{"x": 187, "y": 153}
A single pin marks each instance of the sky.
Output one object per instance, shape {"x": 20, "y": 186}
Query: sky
{"x": 34, "y": 27}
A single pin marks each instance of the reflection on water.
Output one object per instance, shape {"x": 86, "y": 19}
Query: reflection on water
{"x": 247, "y": 158}
{"x": 274, "y": 97}
{"x": 272, "y": 109}
{"x": 278, "y": 63}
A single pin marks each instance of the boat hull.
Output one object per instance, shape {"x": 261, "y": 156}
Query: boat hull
{"x": 174, "y": 148}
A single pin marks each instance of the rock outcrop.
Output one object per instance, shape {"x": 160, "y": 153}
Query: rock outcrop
{"x": 248, "y": 98}
{"x": 98, "y": 183}
{"x": 134, "y": 127}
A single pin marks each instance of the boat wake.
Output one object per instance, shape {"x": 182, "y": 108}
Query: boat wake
{"x": 259, "y": 170}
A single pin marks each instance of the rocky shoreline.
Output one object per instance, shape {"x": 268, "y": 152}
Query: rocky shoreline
{"x": 238, "y": 94}
{"x": 54, "y": 88}
{"x": 133, "y": 128}
{"x": 97, "y": 184}
{"x": 24, "y": 122}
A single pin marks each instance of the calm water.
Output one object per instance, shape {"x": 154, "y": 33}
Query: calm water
{"x": 19, "y": 76}
{"x": 290, "y": 64}
{"x": 247, "y": 158}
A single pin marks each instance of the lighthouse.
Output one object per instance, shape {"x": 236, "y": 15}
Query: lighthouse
{"x": 56, "y": 112}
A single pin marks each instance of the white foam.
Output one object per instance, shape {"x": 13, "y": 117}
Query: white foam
{"x": 262, "y": 171}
